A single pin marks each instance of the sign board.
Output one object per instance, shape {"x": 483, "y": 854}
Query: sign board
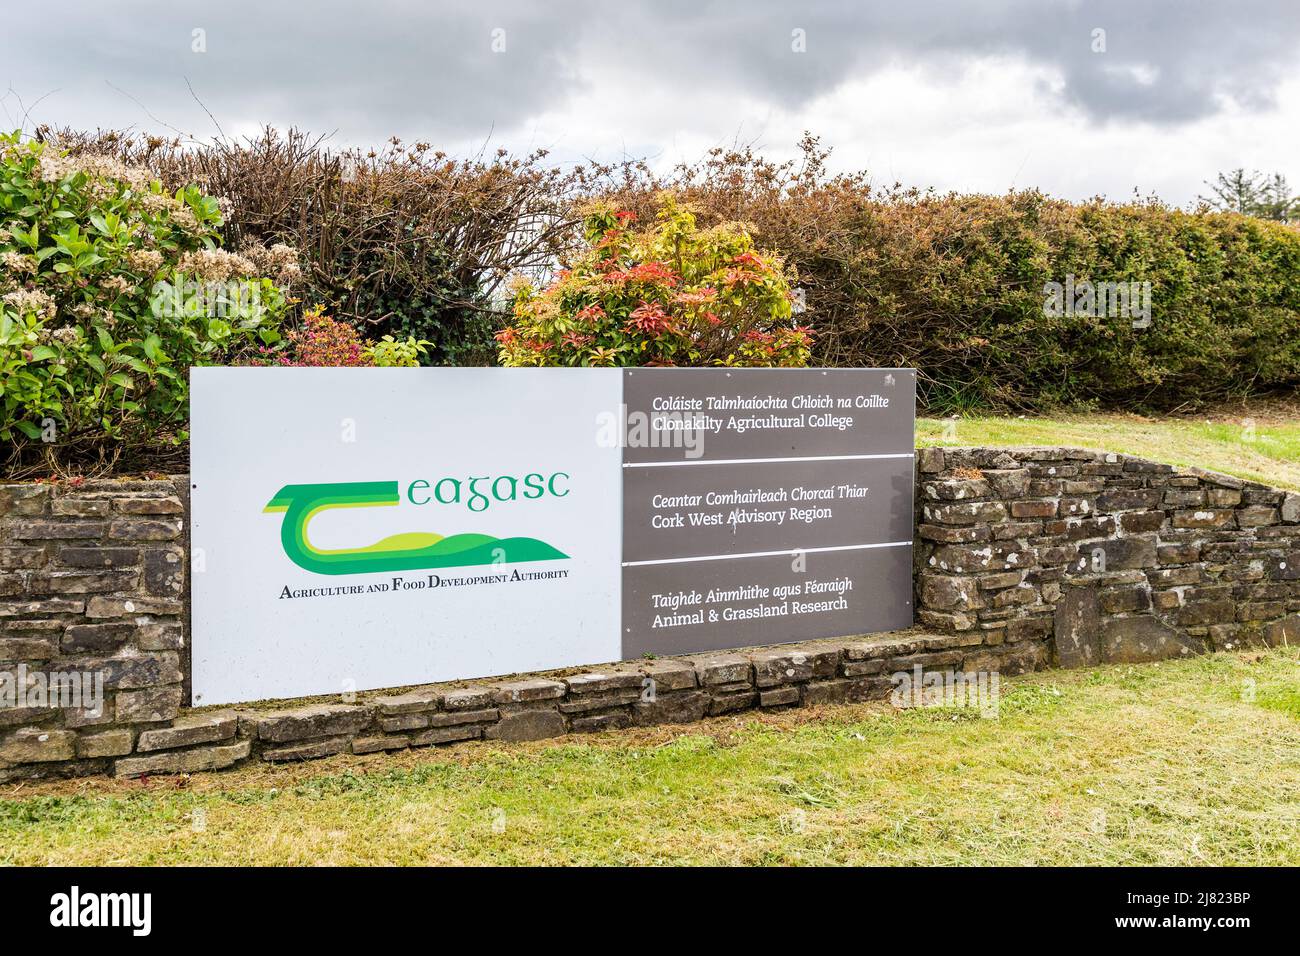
{"x": 364, "y": 528}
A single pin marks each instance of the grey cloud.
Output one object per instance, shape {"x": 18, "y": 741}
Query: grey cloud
{"x": 373, "y": 68}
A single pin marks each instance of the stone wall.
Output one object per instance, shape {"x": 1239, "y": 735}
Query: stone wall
{"x": 1025, "y": 557}
{"x": 92, "y": 585}
{"x": 1108, "y": 558}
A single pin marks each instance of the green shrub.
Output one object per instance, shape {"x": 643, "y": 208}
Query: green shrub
{"x": 110, "y": 289}
{"x": 667, "y": 295}
{"x": 955, "y": 285}
{"x": 401, "y": 240}
{"x": 389, "y": 352}
{"x": 320, "y": 342}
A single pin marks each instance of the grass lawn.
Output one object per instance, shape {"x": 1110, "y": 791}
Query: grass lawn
{"x": 1261, "y": 444}
{"x": 1187, "y": 762}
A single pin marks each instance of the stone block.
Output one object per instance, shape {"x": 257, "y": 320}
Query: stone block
{"x": 447, "y": 735}
{"x": 309, "y": 750}
{"x": 96, "y": 638}
{"x": 403, "y": 722}
{"x": 23, "y": 499}
{"x": 959, "y": 621}
{"x": 187, "y": 731}
{"x": 163, "y": 572}
{"x": 929, "y": 460}
{"x": 456, "y": 717}
{"x": 159, "y": 637}
{"x": 144, "y": 529}
{"x": 846, "y": 691}
{"x": 150, "y": 705}
{"x": 723, "y": 669}
{"x": 961, "y": 534}
{"x": 675, "y": 707}
{"x": 668, "y": 675}
{"x": 184, "y": 761}
{"x": 957, "y": 489}
{"x": 99, "y": 557}
{"x": 1284, "y": 568}
{"x": 1143, "y": 638}
{"x": 1283, "y": 633}
{"x": 784, "y": 666}
{"x": 1000, "y": 579}
{"x": 22, "y": 558}
{"x": 944, "y": 592}
{"x": 1008, "y": 482}
{"x": 1034, "y": 509}
{"x": 166, "y": 505}
{"x": 37, "y": 745}
{"x": 1257, "y": 516}
{"x": 601, "y": 682}
{"x": 1128, "y": 499}
{"x": 965, "y": 512}
{"x": 527, "y": 725}
{"x": 1206, "y": 518}
{"x": 720, "y": 704}
{"x": 27, "y": 647}
{"x": 778, "y": 696}
{"x": 1028, "y": 628}
{"x": 412, "y": 703}
{"x": 1180, "y": 553}
{"x": 319, "y": 720}
{"x": 960, "y": 559}
{"x": 34, "y": 608}
{"x": 468, "y": 698}
{"x": 1125, "y": 554}
{"x": 132, "y": 673}
{"x": 107, "y": 743}
{"x": 522, "y": 691}
{"x": 80, "y": 507}
{"x": 1207, "y": 612}
{"x": 585, "y": 703}
{"x": 596, "y": 723}
{"x": 1141, "y": 522}
{"x": 370, "y": 745}
{"x": 101, "y": 607}
{"x": 55, "y": 529}
{"x": 1126, "y": 599}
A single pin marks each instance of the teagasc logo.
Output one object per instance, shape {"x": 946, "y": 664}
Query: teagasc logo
{"x": 414, "y": 549}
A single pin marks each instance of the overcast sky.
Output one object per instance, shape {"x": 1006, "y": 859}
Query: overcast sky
{"x": 975, "y": 96}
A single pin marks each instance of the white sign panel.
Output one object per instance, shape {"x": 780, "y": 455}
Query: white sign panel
{"x": 364, "y": 528}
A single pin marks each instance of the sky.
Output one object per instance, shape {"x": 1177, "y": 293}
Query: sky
{"x": 1077, "y": 98}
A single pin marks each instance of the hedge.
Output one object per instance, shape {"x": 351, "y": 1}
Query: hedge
{"x": 409, "y": 242}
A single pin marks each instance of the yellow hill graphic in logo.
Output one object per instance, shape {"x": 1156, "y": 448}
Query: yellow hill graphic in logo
{"x": 410, "y": 551}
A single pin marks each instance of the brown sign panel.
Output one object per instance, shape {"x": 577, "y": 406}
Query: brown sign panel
{"x": 765, "y": 505}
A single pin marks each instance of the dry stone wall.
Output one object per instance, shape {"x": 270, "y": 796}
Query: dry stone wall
{"x": 1025, "y": 558}
{"x": 1110, "y": 558}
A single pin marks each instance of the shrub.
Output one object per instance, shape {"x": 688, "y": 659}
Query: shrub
{"x": 322, "y": 342}
{"x": 667, "y": 295}
{"x": 325, "y": 342}
{"x": 954, "y": 285}
{"x": 400, "y": 241}
{"x": 392, "y": 353}
{"x": 99, "y": 322}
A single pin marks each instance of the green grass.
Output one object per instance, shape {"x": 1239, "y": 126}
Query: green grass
{"x": 1184, "y": 762}
{"x": 1264, "y": 448}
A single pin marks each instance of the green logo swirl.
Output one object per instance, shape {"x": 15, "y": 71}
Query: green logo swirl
{"x": 410, "y": 551}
